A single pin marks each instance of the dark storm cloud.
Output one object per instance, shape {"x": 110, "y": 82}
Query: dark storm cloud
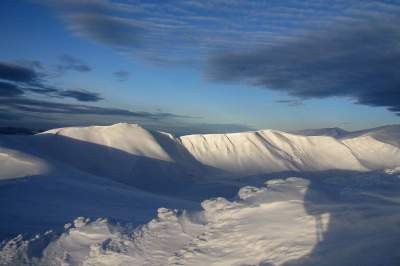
{"x": 17, "y": 73}
{"x": 68, "y": 62}
{"x": 121, "y": 75}
{"x": 358, "y": 61}
{"x": 80, "y": 95}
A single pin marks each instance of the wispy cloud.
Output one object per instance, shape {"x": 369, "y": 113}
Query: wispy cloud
{"x": 291, "y": 102}
{"x": 174, "y": 29}
{"x": 19, "y": 85}
{"x": 16, "y": 80}
{"x": 110, "y": 30}
{"x": 24, "y": 104}
{"x": 69, "y": 62}
{"x": 80, "y": 95}
{"x": 183, "y": 31}
{"x": 121, "y": 75}
{"x": 9, "y": 89}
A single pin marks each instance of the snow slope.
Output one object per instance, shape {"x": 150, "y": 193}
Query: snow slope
{"x": 124, "y": 173}
{"x": 14, "y": 164}
{"x": 273, "y": 151}
{"x": 125, "y": 153}
{"x": 135, "y": 156}
{"x": 291, "y": 221}
{"x": 36, "y": 203}
{"x": 388, "y": 134}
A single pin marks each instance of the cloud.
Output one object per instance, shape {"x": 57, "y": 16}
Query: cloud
{"x": 19, "y": 80}
{"x": 42, "y": 89}
{"x": 181, "y": 31}
{"x": 4, "y": 115}
{"x": 121, "y": 75}
{"x": 23, "y": 104}
{"x": 292, "y": 103}
{"x": 98, "y": 6}
{"x": 18, "y": 86}
{"x": 68, "y": 62}
{"x": 17, "y": 73}
{"x": 360, "y": 61}
{"x": 306, "y": 49}
{"x": 9, "y": 89}
{"x": 80, "y": 95}
{"x": 114, "y": 31}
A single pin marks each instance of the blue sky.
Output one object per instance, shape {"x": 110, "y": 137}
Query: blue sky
{"x": 200, "y": 66}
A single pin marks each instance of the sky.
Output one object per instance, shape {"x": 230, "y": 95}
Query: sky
{"x": 200, "y": 66}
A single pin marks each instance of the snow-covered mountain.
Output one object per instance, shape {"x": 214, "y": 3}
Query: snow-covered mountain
{"x": 131, "y": 154}
{"x": 125, "y": 173}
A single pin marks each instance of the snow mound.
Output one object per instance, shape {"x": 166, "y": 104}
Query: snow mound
{"x": 122, "y": 152}
{"x": 15, "y": 164}
{"x": 130, "y": 138}
{"x": 290, "y": 221}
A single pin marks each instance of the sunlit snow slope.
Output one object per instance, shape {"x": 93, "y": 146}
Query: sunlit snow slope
{"x": 273, "y": 151}
{"x": 128, "y": 153}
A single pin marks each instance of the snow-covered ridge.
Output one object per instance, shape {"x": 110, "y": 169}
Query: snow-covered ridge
{"x": 125, "y": 151}
{"x": 261, "y": 151}
{"x": 274, "y": 151}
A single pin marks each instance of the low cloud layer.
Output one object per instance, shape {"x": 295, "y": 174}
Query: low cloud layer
{"x": 23, "y": 104}
{"x": 19, "y": 86}
{"x": 360, "y": 61}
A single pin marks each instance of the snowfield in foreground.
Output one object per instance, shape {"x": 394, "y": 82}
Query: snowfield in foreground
{"x": 287, "y": 222}
{"x": 123, "y": 195}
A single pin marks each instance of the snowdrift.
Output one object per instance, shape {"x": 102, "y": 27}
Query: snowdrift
{"x": 290, "y": 221}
